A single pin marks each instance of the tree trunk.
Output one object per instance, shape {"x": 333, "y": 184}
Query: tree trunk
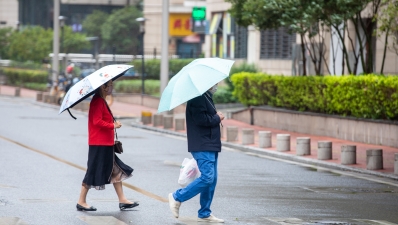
{"x": 385, "y": 51}
{"x": 303, "y": 55}
{"x": 345, "y": 54}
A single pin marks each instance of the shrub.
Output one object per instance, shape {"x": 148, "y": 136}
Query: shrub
{"x": 17, "y": 76}
{"x": 244, "y": 67}
{"x": 152, "y": 87}
{"x": 36, "y": 86}
{"x": 224, "y": 95}
{"x": 368, "y": 96}
{"x": 152, "y": 67}
{"x": 26, "y": 65}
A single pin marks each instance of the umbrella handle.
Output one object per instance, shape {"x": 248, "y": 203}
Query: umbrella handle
{"x": 71, "y": 114}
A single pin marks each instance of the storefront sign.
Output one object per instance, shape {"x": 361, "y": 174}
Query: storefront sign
{"x": 180, "y": 24}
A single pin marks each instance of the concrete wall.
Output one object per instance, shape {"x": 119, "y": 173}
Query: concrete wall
{"x": 243, "y": 116}
{"x": 358, "y": 130}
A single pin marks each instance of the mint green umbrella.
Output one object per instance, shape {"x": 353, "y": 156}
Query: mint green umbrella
{"x": 194, "y": 80}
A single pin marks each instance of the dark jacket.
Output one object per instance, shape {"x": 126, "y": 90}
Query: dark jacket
{"x": 203, "y": 125}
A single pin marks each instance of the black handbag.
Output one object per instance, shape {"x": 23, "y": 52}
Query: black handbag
{"x": 117, "y": 147}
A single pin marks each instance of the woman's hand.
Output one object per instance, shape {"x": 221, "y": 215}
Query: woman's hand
{"x": 220, "y": 115}
{"x": 117, "y": 124}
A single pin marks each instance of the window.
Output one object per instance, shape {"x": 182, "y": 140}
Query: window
{"x": 276, "y": 44}
{"x": 240, "y": 42}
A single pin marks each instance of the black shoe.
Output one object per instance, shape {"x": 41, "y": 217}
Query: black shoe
{"x": 123, "y": 206}
{"x": 81, "y": 208}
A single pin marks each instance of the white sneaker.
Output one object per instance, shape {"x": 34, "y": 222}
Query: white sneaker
{"x": 174, "y": 205}
{"x": 211, "y": 219}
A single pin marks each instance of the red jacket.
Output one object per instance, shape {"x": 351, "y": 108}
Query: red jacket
{"x": 100, "y": 123}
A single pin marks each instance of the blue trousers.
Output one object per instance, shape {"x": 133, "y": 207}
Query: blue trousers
{"x": 204, "y": 185}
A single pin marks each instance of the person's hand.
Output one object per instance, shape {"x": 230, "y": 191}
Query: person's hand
{"x": 117, "y": 124}
{"x": 220, "y": 115}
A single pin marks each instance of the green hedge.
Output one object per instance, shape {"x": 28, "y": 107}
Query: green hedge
{"x": 36, "y": 86}
{"x": 224, "y": 95}
{"x": 152, "y": 87}
{"x": 369, "y": 96}
{"x": 18, "y": 76}
{"x": 152, "y": 67}
{"x": 239, "y": 68}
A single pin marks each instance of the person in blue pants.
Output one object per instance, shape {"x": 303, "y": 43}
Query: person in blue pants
{"x": 204, "y": 143}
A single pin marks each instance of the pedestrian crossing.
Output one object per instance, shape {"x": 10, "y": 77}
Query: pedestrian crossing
{"x": 110, "y": 220}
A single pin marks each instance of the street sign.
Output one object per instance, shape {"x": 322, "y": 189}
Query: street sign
{"x": 198, "y": 13}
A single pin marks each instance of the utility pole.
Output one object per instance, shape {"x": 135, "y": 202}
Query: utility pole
{"x": 164, "y": 69}
{"x": 55, "y": 64}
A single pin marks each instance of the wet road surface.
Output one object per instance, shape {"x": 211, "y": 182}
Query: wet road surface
{"x": 43, "y": 157}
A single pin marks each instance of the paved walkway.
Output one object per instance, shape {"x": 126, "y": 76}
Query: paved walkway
{"x": 129, "y": 110}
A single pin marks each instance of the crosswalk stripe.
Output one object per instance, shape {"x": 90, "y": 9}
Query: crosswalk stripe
{"x": 11, "y": 221}
{"x": 101, "y": 220}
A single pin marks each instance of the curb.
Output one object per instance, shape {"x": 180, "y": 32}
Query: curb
{"x": 278, "y": 155}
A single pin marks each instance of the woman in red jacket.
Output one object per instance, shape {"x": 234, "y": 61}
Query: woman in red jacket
{"x": 103, "y": 166}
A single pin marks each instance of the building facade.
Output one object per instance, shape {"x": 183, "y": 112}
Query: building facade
{"x": 270, "y": 50}
{"x": 40, "y": 12}
{"x": 9, "y": 13}
{"x": 182, "y": 41}
{"x": 273, "y": 51}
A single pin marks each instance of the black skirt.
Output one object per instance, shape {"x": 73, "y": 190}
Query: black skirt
{"x": 104, "y": 167}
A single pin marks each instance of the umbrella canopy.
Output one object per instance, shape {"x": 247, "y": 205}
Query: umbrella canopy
{"x": 86, "y": 87}
{"x": 194, "y": 80}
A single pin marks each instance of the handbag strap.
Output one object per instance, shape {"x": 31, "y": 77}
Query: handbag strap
{"x": 114, "y": 120}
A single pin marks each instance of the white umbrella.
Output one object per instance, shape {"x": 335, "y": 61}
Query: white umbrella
{"x": 194, "y": 80}
{"x": 86, "y": 87}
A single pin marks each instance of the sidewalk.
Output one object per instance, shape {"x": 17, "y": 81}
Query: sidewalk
{"x": 10, "y": 91}
{"x": 124, "y": 110}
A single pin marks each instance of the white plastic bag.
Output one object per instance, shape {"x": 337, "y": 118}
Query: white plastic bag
{"x": 189, "y": 171}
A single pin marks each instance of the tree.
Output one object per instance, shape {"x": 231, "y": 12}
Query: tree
{"x": 297, "y": 15}
{"x": 121, "y": 31}
{"x": 388, "y": 24}
{"x": 301, "y": 16}
{"x": 5, "y": 34}
{"x": 74, "y": 42}
{"x": 35, "y": 43}
{"x": 30, "y": 44}
{"x": 93, "y": 23}
{"x": 362, "y": 14}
